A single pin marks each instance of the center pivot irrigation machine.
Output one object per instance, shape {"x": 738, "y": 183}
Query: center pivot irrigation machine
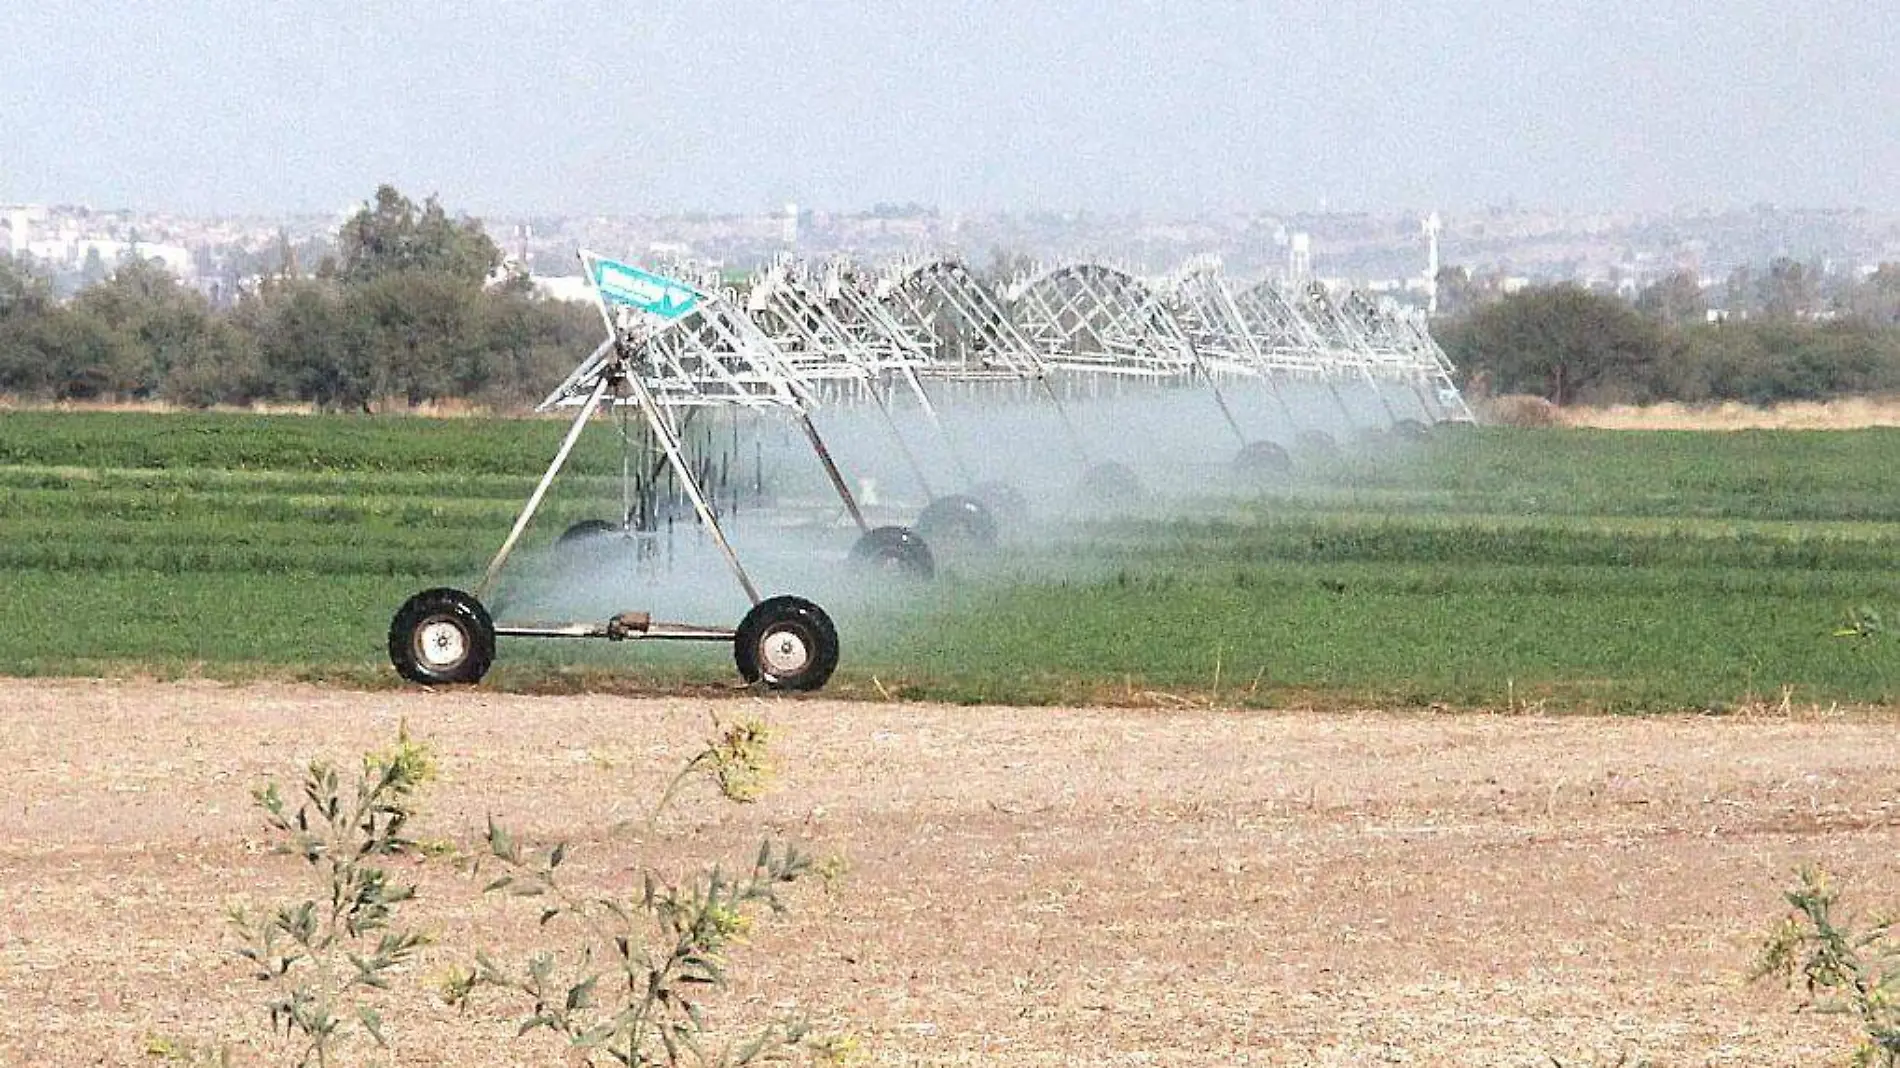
{"x": 673, "y": 350}
{"x": 1089, "y": 347}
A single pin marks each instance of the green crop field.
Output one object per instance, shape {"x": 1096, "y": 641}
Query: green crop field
{"x": 1579, "y": 569}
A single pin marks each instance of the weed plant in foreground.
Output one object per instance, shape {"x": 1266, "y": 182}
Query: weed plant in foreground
{"x": 1491, "y": 567}
{"x": 622, "y": 976}
{"x": 1839, "y": 964}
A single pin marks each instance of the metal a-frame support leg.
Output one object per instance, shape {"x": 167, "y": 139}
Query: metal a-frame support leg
{"x": 541, "y": 489}
{"x": 1340, "y": 400}
{"x": 897, "y": 436}
{"x": 1426, "y": 407}
{"x": 936, "y": 425}
{"x": 1220, "y": 396}
{"x": 676, "y": 455}
{"x": 831, "y": 472}
{"x": 1068, "y": 426}
{"x": 1226, "y": 413}
{"x": 1378, "y": 393}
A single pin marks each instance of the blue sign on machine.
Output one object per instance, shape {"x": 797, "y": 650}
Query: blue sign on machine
{"x": 652, "y": 293}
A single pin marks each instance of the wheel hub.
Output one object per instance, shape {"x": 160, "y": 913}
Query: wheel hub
{"x": 441, "y": 643}
{"x": 784, "y": 652}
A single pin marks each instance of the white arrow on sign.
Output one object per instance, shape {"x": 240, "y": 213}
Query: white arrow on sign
{"x": 645, "y": 290}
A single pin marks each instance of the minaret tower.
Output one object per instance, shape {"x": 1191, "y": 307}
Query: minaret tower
{"x": 1299, "y": 258}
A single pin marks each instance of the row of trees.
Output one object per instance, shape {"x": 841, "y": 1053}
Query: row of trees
{"x": 1787, "y": 289}
{"x": 1571, "y": 345}
{"x": 406, "y": 310}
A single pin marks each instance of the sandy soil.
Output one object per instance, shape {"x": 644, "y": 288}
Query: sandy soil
{"x": 1025, "y": 886}
{"x": 1849, "y": 413}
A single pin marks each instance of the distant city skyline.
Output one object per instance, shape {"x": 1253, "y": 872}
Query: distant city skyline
{"x": 1511, "y": 247}
{"x": 1172, "y": 109}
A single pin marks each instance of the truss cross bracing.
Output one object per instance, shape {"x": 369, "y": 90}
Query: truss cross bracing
{"x": 959, "y": 321}
{"x": 836, "y": 330}
{"x": 1095, "y": 319}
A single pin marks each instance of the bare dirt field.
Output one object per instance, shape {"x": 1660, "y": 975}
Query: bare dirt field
{"x": 1848, "y": 413}
{"x": 1024, "y": 886}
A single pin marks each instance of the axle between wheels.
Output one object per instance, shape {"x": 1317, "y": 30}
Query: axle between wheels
{"x": 444, "y": 636}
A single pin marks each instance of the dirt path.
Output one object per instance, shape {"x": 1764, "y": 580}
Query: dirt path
{"x": 1024, "y": 886}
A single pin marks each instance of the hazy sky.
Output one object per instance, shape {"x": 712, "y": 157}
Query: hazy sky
{"x": 1177, "y": 107}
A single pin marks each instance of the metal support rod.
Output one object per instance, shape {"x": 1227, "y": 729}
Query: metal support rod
{"x": 1378, "y": 392}
{"x": 678, "y": 632}
{"x": 1213, "y": 383}
{"x": 1424, "y": 406}
{"x": 936, "y": 424}
{"x": 1279, "y": 397}
{"x": 541, "y": 489}
{"x": 831, "y": 471}
{"x": 626, "y": 471}
{"x": 674, "y": 454}
{"x": 1344, "y": 409}
{"x": 1226, "y": 412}
{"x": 1068, "y": 427}
{"x": 659, "y": 465}
{"x": 1230, "y": 311}
{"x": 903, "y": 447}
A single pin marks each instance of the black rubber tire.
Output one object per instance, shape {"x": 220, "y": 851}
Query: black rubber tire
{"x": 585, "y": 531}
{"x": 894, "y": 550}
{"x": 956, "y": 519}
{"x": 1411, "y": 430}
{"x": 1262, "y": 460}
{"x": 442, "y": 637}
{"x": 1006, "y": 503}
{"x": 786, "y": 643}
{"x": 1110, "y": 483}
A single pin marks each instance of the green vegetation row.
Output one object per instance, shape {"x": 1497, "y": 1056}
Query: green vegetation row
{"x": 1490, "y": 566}
{"x": 1782, "y": 340}
{"x": 1762, "y": 474}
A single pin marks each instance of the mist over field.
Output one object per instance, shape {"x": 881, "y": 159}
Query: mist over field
{"x": 1329, "y": 532}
